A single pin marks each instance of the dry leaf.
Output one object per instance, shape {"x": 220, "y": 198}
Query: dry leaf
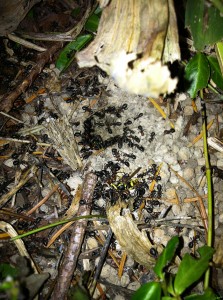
{"x": 133, "y": 241}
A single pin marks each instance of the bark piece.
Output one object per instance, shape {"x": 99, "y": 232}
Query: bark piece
{"x": 134, "y": 40}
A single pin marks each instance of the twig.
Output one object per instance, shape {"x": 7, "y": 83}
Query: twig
{"x": 24, "y": 178}
{"x": 43, "y": 200}
{"x": 8, "y": 100}
{"x": 72, "y": 253}
{"x": 24, "y": 141}
{"x": 11, "y": 117}
{"x": 25, "y": 43}
{"x": 101, "y": 261}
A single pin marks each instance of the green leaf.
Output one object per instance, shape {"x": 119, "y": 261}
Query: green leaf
{"x": 205, "y": 23}
{"x": 166, "y": 257}
{"x": 167, "y": 298}
{"x": 191, "y": 269}
{"x": 170, "y": 288}
{"x": 68, "y": 53}
{"x": 7, "y": 270}
{"x": 208, "y": 295}
{"x": 197, "y": 73}
{"x": 148, "y": 291}
{"x": 219, "y": 53}
{"x": 216, "y": 75}
{"x": 92, "y": 23}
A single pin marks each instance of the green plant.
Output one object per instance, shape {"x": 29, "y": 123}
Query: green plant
{"x": 68, "y": 53}
{"x": 171, "y": 286}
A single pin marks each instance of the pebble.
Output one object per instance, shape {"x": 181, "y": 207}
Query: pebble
{"x": 134, "y": 285}
{"x": 176, "y": 209}
{"x": 220, "y": 218}
{"x": 110, "y": 274}
{"x": 188, "y": 173}
{"x": 198, "y": 153}
{"x": 119, "y": 297}
{"x": 129, "y": 262}
{"x": 92, "y": 243}
{"x": 220, "y": 163}
{"x": 158, "y": 235}
{"x": 170, "y": 158}
{"x": 188, "y": 110}
{"x": 184, "y": 153}
{"x": 125, "y": 280}
{"x": 201, "y": 161}
{"x": 174, "y": 180}
{"x": 44, "y": 208}
{"x": 170, "y": 193}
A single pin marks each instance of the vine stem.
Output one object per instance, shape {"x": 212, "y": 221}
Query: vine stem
{"x": 209, "y": 187}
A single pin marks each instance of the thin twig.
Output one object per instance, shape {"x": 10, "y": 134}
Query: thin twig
{"x": 72, "y": 253}
{"x": 43, "y": 200}
{"x": 101, "y": 261}
{"x": 24, "y": 178}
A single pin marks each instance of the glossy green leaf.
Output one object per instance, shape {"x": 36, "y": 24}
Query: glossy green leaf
{"x": 208, "y": 295}
{"x": 205, "y": 23}
{"x": 92, "y": 23}
{"x": 148, "y": 291}
{"x": 68, "y": 53}
{"x": 219, "y": 53}
{"x": 191, "y": 269}
{"x": 170, "y": 288}
{"x": 197, "y": 74}
{"x": 166, "y": 257}
{"x": 216, "y": 75}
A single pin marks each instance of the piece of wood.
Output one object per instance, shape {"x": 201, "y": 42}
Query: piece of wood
{"x": 134, "y": 40}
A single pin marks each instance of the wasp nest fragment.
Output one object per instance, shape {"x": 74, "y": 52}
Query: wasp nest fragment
{"x": 133, "y": 241}
{"x": 134, "y": 41}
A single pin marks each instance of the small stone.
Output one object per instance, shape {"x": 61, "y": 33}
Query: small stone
{"x": 158, "y": 235}
{"x": 188, "y": 173}
{"x": 184, "y": 153}
{"x": 188, "y": 110}
{"x": 198, "y": 153}
{"x": 174, "y": 180}
{"x": 220, "y": 218}
{"x": 134, "y": 285}
{"x": 92, "y": 243}
{"x": 119, "y": 297}
{"x": 44, "y": 208}
{"x": 170, "y": 193}
{"x": 175, "y": 149}
{"x": 129, "y": 262}
{"x": 220, "y": 163}
{"x": 170, "y": 158}
{"x": 125, "y": 280}
{"x": 176, "y": 210}
{"x": 201, "y": 161}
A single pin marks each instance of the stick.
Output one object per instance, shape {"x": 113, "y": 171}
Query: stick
{"x": 77, "y": 236}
